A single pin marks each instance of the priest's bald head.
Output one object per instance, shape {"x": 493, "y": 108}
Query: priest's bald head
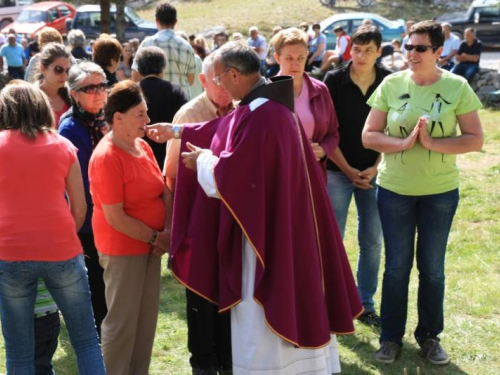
{"x": 236, "y": 69}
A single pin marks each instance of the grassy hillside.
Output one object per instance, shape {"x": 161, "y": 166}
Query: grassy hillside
{"x": 197, "y": 16}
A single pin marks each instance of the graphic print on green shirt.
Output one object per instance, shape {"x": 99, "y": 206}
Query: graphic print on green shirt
{"x": 419, "y": 171}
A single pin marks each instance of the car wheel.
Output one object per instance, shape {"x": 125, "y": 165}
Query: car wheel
{"x": 364, "y": 3}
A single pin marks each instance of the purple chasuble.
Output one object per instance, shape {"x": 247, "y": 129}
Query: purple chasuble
{"x": 272, "y": 192}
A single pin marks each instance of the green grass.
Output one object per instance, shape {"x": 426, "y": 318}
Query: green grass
{"x": 472, "y": 310}
{"x": 197, "y": 16}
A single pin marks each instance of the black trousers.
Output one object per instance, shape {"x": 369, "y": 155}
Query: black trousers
{"x": 46, "y": 336}
{"x": 96, "y": 280}
{"x": 16, "y": 72}
{"x": 209, "y": 334}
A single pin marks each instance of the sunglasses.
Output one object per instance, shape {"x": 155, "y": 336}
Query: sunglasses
{"x": 60, "y": 70}
{"x": 92, "y": 89}
{"x": 419, "y": 48}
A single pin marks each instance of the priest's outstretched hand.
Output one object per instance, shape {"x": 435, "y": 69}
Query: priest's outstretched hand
{"x": 160, "y": 132}
{"x": 189, "y": 158}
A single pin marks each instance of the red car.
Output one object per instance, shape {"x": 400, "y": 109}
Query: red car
{"x": 35, "y": 17}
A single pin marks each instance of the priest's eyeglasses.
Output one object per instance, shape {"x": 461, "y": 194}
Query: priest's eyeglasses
{"x": 216, "y": 79}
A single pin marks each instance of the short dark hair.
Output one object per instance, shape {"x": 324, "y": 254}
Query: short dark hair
{"x": 316, "y": 26}
{"x": 107, "y": 49}
{"x": 223, "y": 34}
{"x": 150, "y": 60}
{"x": 166, "y": 14}
{"x": 200, "y": 51}
{"x": 26, "y": 108}
{"x": 363, "y": 35}
{"x": 122, "y": 97}
{"x": 431, "y": 28}
{"x": 338, "y": 28}
{"x": 238, "y": 56}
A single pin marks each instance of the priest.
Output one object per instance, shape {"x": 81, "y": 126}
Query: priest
{"x": 253, "y": 230}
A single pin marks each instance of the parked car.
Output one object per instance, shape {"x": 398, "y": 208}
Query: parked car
{"x": 35, "y": 17}
{"x": 88, "y": 19}
{"x": 483, "y": 16}
{"x": 10, "y": 9}
{"x": 351, "y": 21}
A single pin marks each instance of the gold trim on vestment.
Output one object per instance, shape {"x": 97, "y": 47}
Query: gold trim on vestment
{"x": 283, "y": 337}
{"x": 238, "y": 220}
{"x": 191, "y": 289}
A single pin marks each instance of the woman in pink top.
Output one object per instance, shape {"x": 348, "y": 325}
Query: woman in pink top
{"x": 55, "y": 62}
{"x": 38, "y": 230}
{"x": 313, "y": 103}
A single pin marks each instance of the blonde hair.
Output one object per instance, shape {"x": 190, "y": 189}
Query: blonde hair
{"x": 290, "y": 36}
{"x": 48, "y": 35}
{"x": 26, "y": 108}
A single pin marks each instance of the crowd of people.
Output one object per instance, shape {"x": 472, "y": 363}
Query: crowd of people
{"x": 240, "y": 164}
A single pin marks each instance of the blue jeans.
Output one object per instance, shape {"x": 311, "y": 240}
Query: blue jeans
{"x": 402, "y": 217}
{"x": 68, "y": 285}
{"x": 341, "y": 191}
{"x": 466, "y": 70}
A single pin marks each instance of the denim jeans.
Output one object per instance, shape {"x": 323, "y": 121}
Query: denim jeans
{"x": 466, "y": 70}
{"x": 68, "y": 285}
{"x": 402, "y": 218}
{"x": 341, "y": 191}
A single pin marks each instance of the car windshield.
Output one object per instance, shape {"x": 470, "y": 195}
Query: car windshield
{"x": 31, "y": 16}
{"x": 133, "y": 16}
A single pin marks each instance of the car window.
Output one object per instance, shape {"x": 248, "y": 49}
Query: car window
{"x": 489, "y": 13}
{"x": 7, "y": 3}
{"x": 343, "y": 23}
{"x": 356, "y": 23}
{"x": 380, "y": 25}
{"x": 53, "y": 14}
{"x": 32, "y": 16}
{"x": 133, "y": 16}
{"x": 92, "y": 19}
{"x": 64, "y": 10}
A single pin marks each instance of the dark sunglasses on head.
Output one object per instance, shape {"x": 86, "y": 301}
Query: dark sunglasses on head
{"x": 419, "y": 48}
{"x": 60, "y": 70}
{"x": 92, "y": 89}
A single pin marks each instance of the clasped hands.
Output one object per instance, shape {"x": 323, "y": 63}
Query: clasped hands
{"x": 161, "y": 245}
{"x": 419, "y": 132}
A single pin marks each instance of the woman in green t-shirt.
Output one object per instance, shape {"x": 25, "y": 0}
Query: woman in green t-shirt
{"x": 413, "y": 123}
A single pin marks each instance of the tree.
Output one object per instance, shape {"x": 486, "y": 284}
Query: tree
{"x": 120, "y": 20}
{"x": 105, "y": 16}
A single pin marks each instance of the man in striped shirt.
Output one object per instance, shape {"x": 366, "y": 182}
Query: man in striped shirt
{"x": 180, "y": 56}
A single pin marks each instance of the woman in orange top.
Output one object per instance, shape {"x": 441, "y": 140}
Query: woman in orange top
{"x": 38, "y": 230}
{"x": 131, "y": 222}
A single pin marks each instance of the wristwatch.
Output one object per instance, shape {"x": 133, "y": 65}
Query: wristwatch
{"x": 177, "y": 131}
{"x": 153, "y": 237}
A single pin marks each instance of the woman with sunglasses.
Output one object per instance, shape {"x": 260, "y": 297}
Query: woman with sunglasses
{"x": 413, "y": 123}
{"x": 38, "y": 231}
{"x": 84, "y": 126}
{"x": 131, "y": 222}
{"x": 55, "y": 62}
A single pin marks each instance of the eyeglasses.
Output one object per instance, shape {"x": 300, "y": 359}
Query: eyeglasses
{"x": 216, "y": 79}
{"x": 92, "y": 89}
{"x": 419, "y": 48}
{"x": 60, "y": 70}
